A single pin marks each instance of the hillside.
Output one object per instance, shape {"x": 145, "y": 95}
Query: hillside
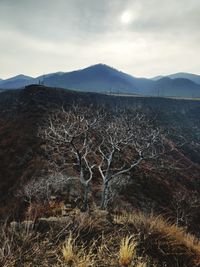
{"x": 153, "y": 185}
{"x": 152, "y": 218}
{"x": 98, "y": 239}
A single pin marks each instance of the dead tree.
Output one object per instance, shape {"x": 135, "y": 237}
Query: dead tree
{"x": 73, "y": 130}
{"x": 186, "y": 206}
{"x": 126, "y": 141}
{"x": 41, "y": 190}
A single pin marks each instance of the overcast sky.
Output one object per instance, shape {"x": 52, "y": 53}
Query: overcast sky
{"x": 141, "y": 37}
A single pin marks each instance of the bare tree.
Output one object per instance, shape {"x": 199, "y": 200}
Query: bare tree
{"x": 73, "y": 130}
{"x": 186, "y": 206}
{"x": 114, "y": 145}
{"x": 42, "y": 189}
{"x": 126, "y": 140}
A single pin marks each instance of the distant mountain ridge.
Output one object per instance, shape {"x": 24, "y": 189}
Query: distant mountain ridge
{"x": 193, "y": 77}
{"x": 16, "y": 82}
{"x": 182, "y": 75}
{"x": 105, "y": 79}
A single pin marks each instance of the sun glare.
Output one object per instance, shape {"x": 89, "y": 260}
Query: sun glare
{"x": 126, "y": 17}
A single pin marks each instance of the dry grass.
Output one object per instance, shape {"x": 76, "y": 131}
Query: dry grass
{"x": 162, "y": 239}
{"x": 127, "y": 250}
{"x": 132, "y": 240}
{"x": 77, "y": 256}
{"x": 68, "y": 250}
{"x": 16, "y": 243}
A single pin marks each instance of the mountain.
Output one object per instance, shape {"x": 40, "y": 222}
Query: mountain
{"x": 102, "y": 78}
{"x": 167, "y": 87}
{"x": 193, "y": 77}
{"x": 180, "y": 75}
{"x": 16, "y": 82}
{"x": 97, "y": 78}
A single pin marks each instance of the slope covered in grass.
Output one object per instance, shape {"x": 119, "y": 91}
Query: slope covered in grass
{"x": 98, "y": 239}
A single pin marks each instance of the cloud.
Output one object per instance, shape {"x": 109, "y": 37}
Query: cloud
{"x": 47, "y": 35}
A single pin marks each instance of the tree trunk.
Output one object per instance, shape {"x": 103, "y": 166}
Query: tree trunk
{"x": 104, "y": 196}
{"x": 85, "y": 199}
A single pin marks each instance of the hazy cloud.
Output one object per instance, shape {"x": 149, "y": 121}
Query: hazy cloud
{"x": 43, "y": 36}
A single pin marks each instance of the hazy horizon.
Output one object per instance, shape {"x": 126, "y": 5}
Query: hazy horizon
{"x": 144, "y": 38}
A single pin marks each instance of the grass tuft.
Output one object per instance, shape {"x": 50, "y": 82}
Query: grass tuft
{"x": 77, "y": 256}
{"x": 127, "y": 250}
{"x": 68, "y": 250}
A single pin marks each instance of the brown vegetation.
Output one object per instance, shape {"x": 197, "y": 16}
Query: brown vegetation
{"x": 49, "y": 184}
{"x": 128, "y": 239}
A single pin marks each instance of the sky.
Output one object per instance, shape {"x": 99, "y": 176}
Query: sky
{"x": 144, "y": 38}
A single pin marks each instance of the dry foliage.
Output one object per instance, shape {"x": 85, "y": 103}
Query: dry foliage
{"x": 133, "y": 240}
{"x": 161, "y": 239}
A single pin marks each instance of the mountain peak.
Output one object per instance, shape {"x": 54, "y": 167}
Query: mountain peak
{"x": 20, "y": 76}
{"x": 101, "y": 66}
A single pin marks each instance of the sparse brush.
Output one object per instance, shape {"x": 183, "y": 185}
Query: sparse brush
{"x": 127, "y": 250}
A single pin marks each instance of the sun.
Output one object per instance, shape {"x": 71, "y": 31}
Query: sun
{"x": 126, "y": 17}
